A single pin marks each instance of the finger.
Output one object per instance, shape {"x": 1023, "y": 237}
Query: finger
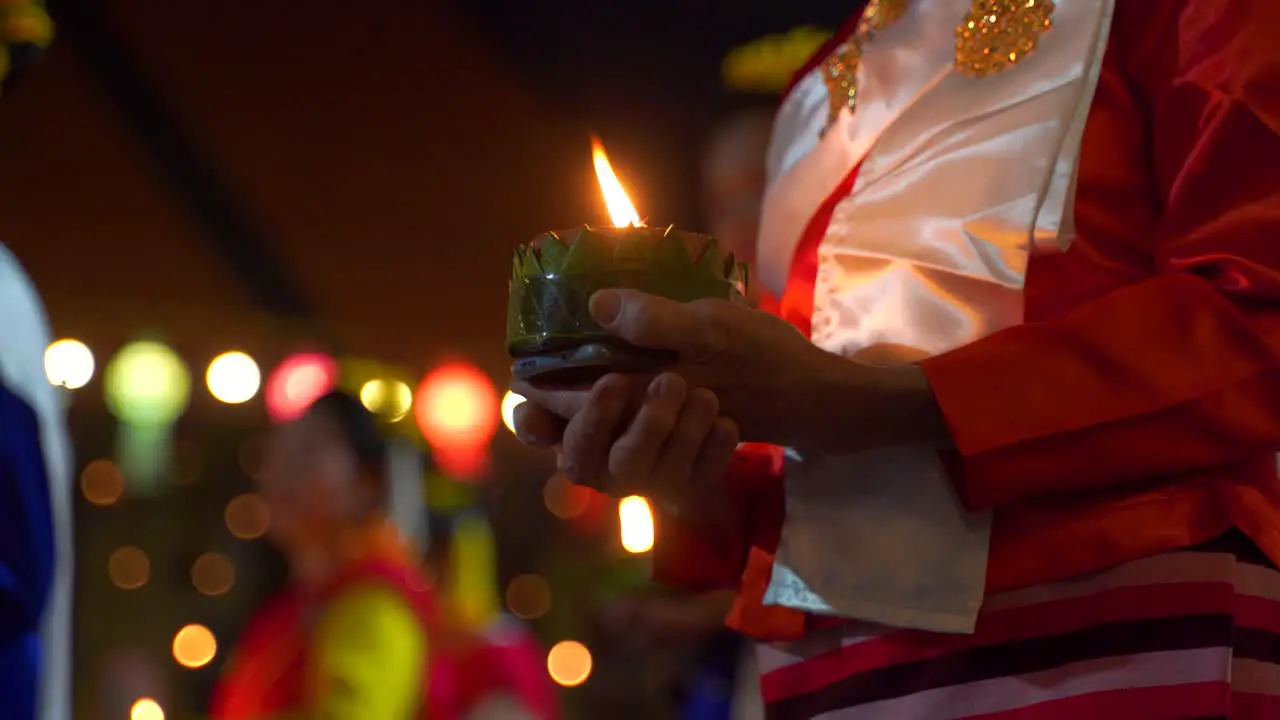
{"x": 590, "y": 434}
{"x": 675, "y": 462}
{"x": 537, "y": 426}
{"x": 707, "y": 478}
{"x": 563, "y": 403}
{"x": 713, "y": 459}
{"x": 691, "y": 329}
{"x": 632, "y": 459}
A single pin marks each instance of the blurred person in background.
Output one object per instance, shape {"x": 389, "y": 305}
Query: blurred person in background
{"x": 35, "y": 512}
{"x": 35, "y": 462}
{"x": 506, "y": 676}
{"x": 723, "y": 683}
{"x": 349, "y": 637}
{"x": 361, "y": 631}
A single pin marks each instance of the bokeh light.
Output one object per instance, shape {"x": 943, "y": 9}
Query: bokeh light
{"x": 102, "y": 483}
{"x": 636, "y": 521}
{"x": 68, "y": 363}
{"x": 569, "y": 663}
{"x": 213, "y": 573}
{"x": 457, "y": 407}
{"x": 564, "y": 499}
{"x": 510, "y": 401}
{"x": 297, "y": 382}
{"x": 194, "y": 646}
{"x": 146, "y": 709}
{"x": 528, "y": 596}
{"x": 147, "y": 384}
{"x": 233, "y": 377}
{"x": 388, "y": 399}
{"x": 247, "y": 516}
{"x": 129, "y": 568}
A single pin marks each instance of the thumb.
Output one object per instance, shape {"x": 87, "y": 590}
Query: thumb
{"x": 651, "y": 321}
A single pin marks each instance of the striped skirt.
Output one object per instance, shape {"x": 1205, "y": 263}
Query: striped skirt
{"x": 1188, "y": 634}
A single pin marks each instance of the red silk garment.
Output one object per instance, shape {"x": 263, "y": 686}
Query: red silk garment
{"x": 1138, "y": 409}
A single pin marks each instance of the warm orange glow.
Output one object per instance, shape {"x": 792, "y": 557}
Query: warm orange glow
{"x": 457, "y": 408}
{"x": 636, "y": 520}
{"x": 102, "y": 483}
{"x": 194, "y": 646}
{"x": 129, "y": 568}
{"x": 569, "y": 663}
{"x": 213, "y": 573}
{"x": 528, "y": 596}
{"x": 146, "y": 709}
{"x": 621, "y": 212}
{"x": 247, "y": 516}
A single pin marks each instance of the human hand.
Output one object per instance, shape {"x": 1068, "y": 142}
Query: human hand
{"x": 766, "y": 376}
{"x": 633, "y": 434}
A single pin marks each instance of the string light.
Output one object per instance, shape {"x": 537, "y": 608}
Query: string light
{"x": 68, "y": 363}
{"x": 569, "y": 663}
{"x": 146, "y": 709}
{"x": 194, "y": 646}
{"x": 233, "y": 378}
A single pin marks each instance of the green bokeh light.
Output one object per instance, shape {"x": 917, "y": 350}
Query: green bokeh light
{"x": 147, "y": 384}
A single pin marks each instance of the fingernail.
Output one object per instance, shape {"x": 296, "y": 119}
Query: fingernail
{"x": 612, "y": 389}
{"x": 605, "y": 307}
{"x": 664, "y": 387}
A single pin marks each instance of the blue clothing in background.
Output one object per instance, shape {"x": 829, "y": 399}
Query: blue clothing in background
{"x": 709, "y": 695}
{"x": 35, "y": 512}
{"x": 26, "y": 554}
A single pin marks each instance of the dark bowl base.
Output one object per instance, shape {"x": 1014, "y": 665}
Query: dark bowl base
{"x": 580, "y": 366}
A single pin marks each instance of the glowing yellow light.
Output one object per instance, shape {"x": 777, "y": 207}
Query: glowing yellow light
{"x": 233, "y": 377}
{"x": 391, "y": 399}
{"x": 636, "y": 520}
{"x": 146, "y": 709}
{"x": 510, "y": 402}
{"x": 621, "y": 212}
{"x": 146, "y": 384}
{"x": 569, "y": 663}
{"x": 68, "y": 363}
{"x": 194, "y": 646}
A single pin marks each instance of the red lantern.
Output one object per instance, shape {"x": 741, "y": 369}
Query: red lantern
{"x": 297, "y": 382}
{"x": 456, "y": 407}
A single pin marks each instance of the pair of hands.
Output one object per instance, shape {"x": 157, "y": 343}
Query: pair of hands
{"x": 742, "y": 375}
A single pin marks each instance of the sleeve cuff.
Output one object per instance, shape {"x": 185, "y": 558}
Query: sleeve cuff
{"x": 687, "y": 557}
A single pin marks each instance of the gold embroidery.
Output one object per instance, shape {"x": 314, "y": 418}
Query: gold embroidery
{"x": 996, "y": 34}
{"x": 841, "y": 70}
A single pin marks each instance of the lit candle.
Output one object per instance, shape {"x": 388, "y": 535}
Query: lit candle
{"x": 550, "y": 333}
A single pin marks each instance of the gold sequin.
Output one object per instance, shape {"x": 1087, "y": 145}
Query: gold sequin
{"x": 841, "y": 69}
{"x": 996, "y": 34}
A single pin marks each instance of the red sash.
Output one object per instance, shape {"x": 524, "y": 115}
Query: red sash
{"x": 749, "y": 614}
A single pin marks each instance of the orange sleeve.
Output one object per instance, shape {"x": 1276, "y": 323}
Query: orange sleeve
{"x": 699, "y": 560}
{"x": 1178, "y": 372}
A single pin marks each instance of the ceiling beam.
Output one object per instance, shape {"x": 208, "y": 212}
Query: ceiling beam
{"x": 224, "y": 223}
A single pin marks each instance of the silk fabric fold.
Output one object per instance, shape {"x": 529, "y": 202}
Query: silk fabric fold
{"x": 959, "y": 179}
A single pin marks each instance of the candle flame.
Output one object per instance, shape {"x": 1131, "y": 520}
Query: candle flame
{"x": 636, "y": 519}
{"x": 621, "y": 212}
